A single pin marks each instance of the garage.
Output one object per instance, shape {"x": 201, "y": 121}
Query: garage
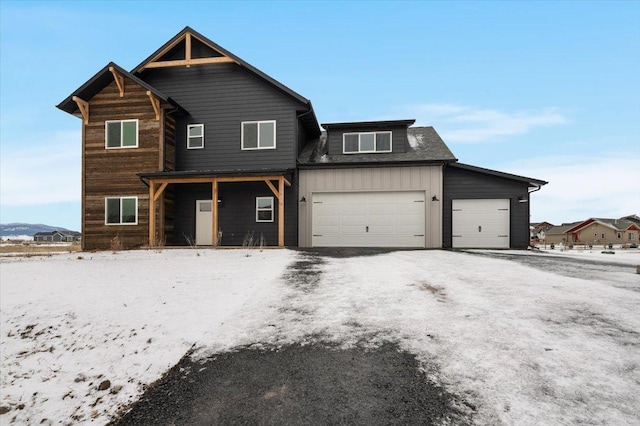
{"x": 480, "y": 223}
{"x": 368, "y": 219}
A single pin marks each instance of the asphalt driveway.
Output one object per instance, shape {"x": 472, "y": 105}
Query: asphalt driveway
{"x": 317, "y": 383}
{"x": 480, "y": 325}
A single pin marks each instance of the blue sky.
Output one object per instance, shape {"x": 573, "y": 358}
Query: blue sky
{"x": 549, "y": 90}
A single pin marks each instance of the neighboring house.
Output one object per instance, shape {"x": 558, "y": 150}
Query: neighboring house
{"x": 194, "y": 123}
{"x": 558, "y": 234}
{"x": 56, "y": 236}
{"x": 538, "y": 230}
{"x": 604, "y": 231}
{"x": 595, "y": 231}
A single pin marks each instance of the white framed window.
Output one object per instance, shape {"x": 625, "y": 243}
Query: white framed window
{"x": 258, "y": 135}
{"x": 121, "y": 134}
{"x": 603, "y": 235}
{"x": 632, "y": 236}
{"x": 121, "y": 210}
{"x": 195, "y": 136}
{"x": 366, "y": 142}
{"x": 264, "y": 209}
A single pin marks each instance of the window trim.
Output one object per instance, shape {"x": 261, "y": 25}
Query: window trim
{"x": 126, "y": 197}
{"x": 106, "y": 133}
{"x": 242, "y": 123}
{"x": 375, "y": 149}
{"x": 271, "y": 209}
{"x": 189, "y": 127}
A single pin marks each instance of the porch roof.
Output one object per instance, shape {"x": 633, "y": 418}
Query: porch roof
{"x": 206, "y": 174}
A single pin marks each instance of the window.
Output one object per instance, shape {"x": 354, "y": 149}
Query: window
{"x": 353, "y": 143}
{"x": 195, "y": 136}
{"x": 619, "y": 235}
{"x": 264, "y": 209}
{"x": 121, "y": 210}
{"x": 258, "y": 135}
{"x": 121, "y": 134}
{"x": 603, "y": 236}
{"x": 632, "y": 236}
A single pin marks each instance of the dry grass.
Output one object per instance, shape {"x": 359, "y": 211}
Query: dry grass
{"x": 36, "y": 249}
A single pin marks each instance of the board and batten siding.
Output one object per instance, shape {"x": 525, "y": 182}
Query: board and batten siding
{"x": 460, "y": 184}
{"x": 410, "y": 178}
{"x": 221, "y": 97}
{"x": 113, "y": 172}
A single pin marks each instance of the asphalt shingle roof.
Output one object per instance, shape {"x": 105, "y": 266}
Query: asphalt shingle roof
{"x": 424, "y": 145}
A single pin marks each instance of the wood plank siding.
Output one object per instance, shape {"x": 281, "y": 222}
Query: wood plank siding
{"x": 113, "y": 172}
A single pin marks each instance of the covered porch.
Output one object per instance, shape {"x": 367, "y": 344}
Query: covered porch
{"x": 159, "y": 182}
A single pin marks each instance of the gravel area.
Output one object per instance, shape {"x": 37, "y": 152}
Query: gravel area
{"x": 296, "y": 385}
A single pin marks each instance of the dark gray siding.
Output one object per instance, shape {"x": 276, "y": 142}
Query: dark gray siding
{"x": 236, "y": 211}
{"x": 399, "y": 138}
{"x": 466, "y": 184}
{"x": 222, "y": 96}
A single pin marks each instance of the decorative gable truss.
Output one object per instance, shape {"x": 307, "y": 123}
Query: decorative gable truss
{"x": 186, "y": 49}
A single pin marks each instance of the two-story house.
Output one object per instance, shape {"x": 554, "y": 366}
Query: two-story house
{"x": 196, "y": 146}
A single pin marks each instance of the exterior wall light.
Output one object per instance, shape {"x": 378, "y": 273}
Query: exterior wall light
{"x": 435, "y": 198}
{"x": 303, "y": 200}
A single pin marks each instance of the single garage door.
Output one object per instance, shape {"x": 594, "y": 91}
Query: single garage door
{"x": 368, "y": 219}
{"x": 480, "y": 223}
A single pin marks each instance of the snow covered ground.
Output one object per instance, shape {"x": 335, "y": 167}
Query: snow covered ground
{"x": 523, "y": 345}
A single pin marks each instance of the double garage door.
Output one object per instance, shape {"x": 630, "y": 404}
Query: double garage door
{"x": 368, "y": 219}
{"x": 480, "y": 223}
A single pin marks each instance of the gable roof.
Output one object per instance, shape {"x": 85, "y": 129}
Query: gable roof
{"x": 530, "y": 181}
{"x": 102, "y": 79}
{"x": 615, "y": 224}
{"x": 561, "y": 229}
{"x": 430, "y": 149}
{"x": 222, "y": 51}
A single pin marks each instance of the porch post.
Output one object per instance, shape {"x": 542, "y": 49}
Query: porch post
{"x": 214, "y": 212}
{"x": 281, "y": 211}
{"x": 152, "y": 214}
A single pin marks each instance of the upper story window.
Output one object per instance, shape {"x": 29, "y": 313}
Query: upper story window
{"x": 354, "y": 143}
{"x": 258, "y": 134}
{"x": 121, "y": 134}
{"x": 195, "y": 136}
{"x": 121, "y": 210}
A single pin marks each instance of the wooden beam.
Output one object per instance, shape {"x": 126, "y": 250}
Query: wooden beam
{"x": 155, "y": 103}
{"x": 281, "y": 212}
{"x": 160, "y": 191}
{"x": 152, "y": 215}
{"x": 187, "y": 49}
{"x": 220, "y": 179}
{"x": 247, "y": 178}
{"x": 196, "y": 61}
{"x": 286, "y": 182}
{"x": 272, "y": 188}
{"x": 119, "y": 80}
{"x": 214, "y": 213}
{"x": 83, "y": 106}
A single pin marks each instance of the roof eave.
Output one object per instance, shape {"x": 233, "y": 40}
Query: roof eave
{"x": 140, "y": 67}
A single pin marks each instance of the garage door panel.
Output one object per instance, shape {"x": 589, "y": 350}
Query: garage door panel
{"x": 480, "y": 223}
{"x": 369, "y": 219}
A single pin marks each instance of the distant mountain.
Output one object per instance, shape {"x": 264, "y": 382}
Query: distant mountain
{"x": 15, "y": 229}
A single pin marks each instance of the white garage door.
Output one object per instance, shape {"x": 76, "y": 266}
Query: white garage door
{"x": 480, "y": 223}
{"x": 368, "y": 219}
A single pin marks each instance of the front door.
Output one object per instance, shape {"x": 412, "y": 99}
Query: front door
{"x": 203, "y": 222}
